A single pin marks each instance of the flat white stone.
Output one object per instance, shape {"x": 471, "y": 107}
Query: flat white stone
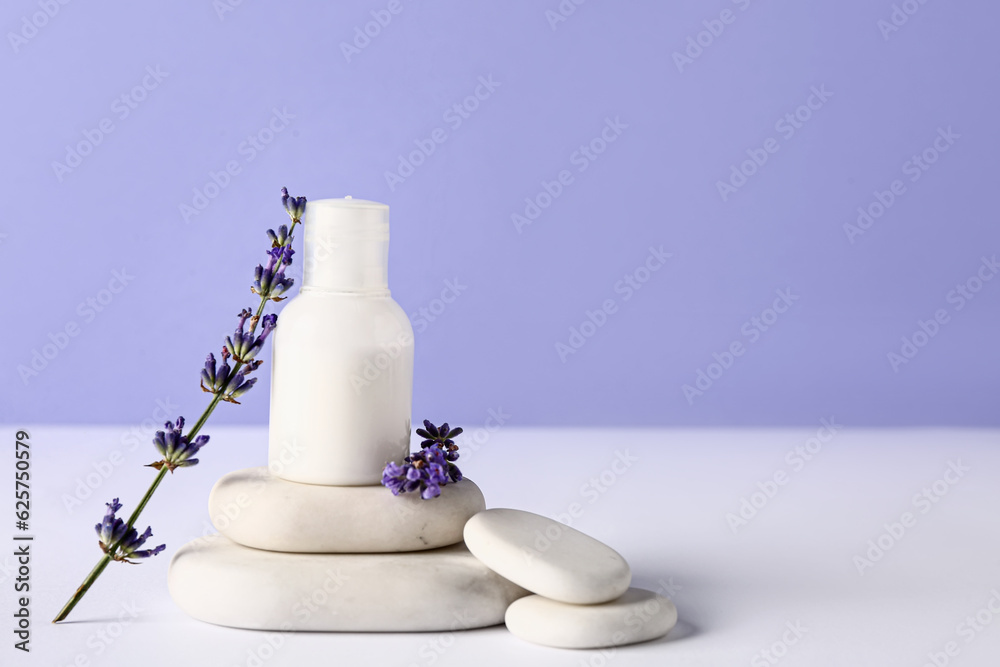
{"x": 256, "y": 509}
{"x": 636, "y": 616}
{"x": 218, "y": 581}
{"x": 547, "y": 557}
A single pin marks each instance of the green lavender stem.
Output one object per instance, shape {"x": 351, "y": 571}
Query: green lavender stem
{"x": 109, "y": 556}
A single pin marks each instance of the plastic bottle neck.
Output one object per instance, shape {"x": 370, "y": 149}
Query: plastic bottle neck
{"x": 346, "y": 247}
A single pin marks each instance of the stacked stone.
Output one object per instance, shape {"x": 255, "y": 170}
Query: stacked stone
{"x": 293, "y": 556}
{"x": 582, "y": 597}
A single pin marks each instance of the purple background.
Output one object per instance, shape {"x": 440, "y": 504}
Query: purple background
{"x": 494, "y": 348}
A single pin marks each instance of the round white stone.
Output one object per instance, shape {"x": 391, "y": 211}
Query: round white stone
{"x": 217, "y": 581}
{"x": 256, "y": 509}
{"x": 636, "y": 616}
{"x": 547, "y": 557}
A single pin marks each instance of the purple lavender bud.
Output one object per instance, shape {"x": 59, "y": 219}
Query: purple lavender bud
{"x": 243, "y": 388}
{"x": 160, "y": 443}
{"x": 244, "y": 315}
{"x": 146, "y": 553}
{"x": 183, "y": 458}
{"x": 235, "y": 382}
{"x": 222, "y": 376}
{"x": 233, "y": 347}
{"x": 208, "y": 375}
{"x": 268, "y": 323}
{"x": 104, "y": 529}
{"x": 280, "y": 286}
{"x": 130, "y": 544}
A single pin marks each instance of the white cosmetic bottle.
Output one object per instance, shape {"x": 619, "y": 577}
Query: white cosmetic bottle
{"x": 342, "y": 371}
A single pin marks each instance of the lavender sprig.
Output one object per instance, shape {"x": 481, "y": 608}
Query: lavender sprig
{"x": 430, "y": 468}
{"x": 119, "y": 540}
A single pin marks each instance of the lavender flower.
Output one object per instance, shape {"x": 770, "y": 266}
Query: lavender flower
{"x": 295, "y": 206}
{"x": 113, "y": 531}
{"x": 430, "y": 468}
{"x": 243, "y": 345}
{"x": 269, "y": 280}
{"x": 175, "y": 447}
{"x": 441, "y": 435}
{"x": 221, "y": 380}
{"x": 426, "y": 471}
{"x": 280, "y": 238}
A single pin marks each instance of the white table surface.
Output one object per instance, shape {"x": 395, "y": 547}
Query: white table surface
{"x": 737, "y": 593}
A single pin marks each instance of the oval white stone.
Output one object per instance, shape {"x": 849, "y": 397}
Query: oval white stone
{"x": 256, "y": 509}
{"x": 217, "y": 581}
{"x": 547, "y": 557}
{"x": 636, "y": 616}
